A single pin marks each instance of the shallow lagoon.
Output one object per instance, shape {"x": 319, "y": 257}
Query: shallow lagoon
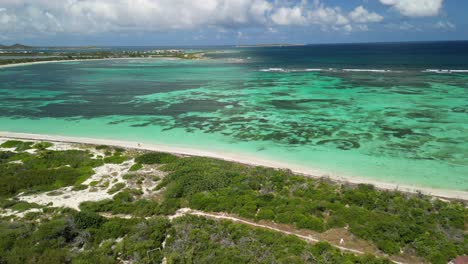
{"x": 407, "y": 127}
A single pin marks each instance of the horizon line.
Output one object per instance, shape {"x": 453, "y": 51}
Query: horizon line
{"x": 240, "y": 44}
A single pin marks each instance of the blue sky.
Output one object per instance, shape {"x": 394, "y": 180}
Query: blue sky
{"x": 226, "y": 22}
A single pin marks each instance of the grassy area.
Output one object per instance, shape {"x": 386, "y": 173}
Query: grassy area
{"x": 45, "y": 171}
{"x": 17, "y": 145}
{"x": 392, "y": 221}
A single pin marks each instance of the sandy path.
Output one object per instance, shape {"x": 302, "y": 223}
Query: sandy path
{"x": 221, "y": 216}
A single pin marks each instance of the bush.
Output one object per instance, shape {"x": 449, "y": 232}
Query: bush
{"x": 42, "y": 145}
{"x": 80, "y": 187}
{"x": 18, "y": 145}
{"x": 117, "y": 187}
{"x": 135, "y": 167}
{"x": 101, "y": 147}
{"x": 156, "y": 158}
{"x": 115, "y": 159}
{"x": 85, "y": 220}
{"x": 312, "y": 223}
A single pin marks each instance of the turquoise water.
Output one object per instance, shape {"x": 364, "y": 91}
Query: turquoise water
{"x": 402, "y": 126}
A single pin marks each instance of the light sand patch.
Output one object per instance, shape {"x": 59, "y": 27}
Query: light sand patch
{"x": 67, "y": 197}
{"x": 8, "y": 149}
{"x": 10, "y": 212}
{"x": 31, "y": 151}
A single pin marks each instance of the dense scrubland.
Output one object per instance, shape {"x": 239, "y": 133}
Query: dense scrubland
{"x": 396, "y": 223}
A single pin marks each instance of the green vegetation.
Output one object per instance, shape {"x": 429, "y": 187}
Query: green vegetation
{"x": 155, "y": 158}
{"x": 102, "y": 147}
{"x": 125, "y": 202}
{"x": 198, "y": 240}
{"x": 18, "y": 145}
{"x": 42, "y": 145}
{"x": 115, "y": 159}
{"x": 392, "y": 221}
{"x": 92, "y": 55}
{"x": 46, "y": 171}
{"x": 17, "y": 205}
{"x": 135, "y": 167}
{"x": 117, "y": 187}
{"x": 76, "y": 237}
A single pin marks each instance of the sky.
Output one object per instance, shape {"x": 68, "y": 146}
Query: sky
{"x": 229, "y": 22}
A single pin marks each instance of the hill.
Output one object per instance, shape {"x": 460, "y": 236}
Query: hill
{"x": 15, "y": 46}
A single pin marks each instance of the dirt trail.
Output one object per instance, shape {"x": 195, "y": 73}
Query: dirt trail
{"x": 187, "y": 211}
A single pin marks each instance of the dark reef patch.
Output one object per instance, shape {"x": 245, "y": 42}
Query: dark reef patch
{"x": 343, "y": 144}
{"x": 298, "y": 104}
{"x": 460, "y": 109}
{"x": 194, "y": 105}
{"x": 420, "y": 114}
{"x": 280, "y": 94}
{"x": 397, "y": 132}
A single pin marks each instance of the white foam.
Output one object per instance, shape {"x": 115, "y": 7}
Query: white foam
{"x": 292, "y": 70}
{"x": 325, "y": 70}
{"x": 314, "y": 70}
{"x": 366, "y": 70}
{"x": 273, "y": 70}
{"x": 445, "y": 71}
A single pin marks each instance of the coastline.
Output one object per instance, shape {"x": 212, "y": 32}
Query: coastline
{"x": 251, "y": 161}
{"x": 79, "y": 60}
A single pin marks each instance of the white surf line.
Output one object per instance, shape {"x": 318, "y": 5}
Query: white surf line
{"x": 242, "y": 159}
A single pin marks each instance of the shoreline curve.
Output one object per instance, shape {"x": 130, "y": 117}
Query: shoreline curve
{"x": 250, "y": 161}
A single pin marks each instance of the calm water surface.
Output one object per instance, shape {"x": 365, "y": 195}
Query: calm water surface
{"x": 388, "y": 112}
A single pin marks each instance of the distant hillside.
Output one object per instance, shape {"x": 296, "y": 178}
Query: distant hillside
{"x": 269, "y": 45}
{"x": 15, "y": 46}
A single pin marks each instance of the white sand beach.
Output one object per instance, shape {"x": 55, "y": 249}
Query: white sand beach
{"x": 253, "y": 161}
{"x": 78, "y": 60}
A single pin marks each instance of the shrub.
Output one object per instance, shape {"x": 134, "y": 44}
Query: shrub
{"x": 115, "y": 159}
{"x": 18, "y": 145}
{"x": 135, "y": 167}
{"x": 80, "y": 187}
{"x": 266, "y": 214}
{"x": 156, "y": 158}
{"x": 129, "y": 176}
{"x": 85, "y": 220}
{"x": 100, "y": 147}
{"x": 117, "y": 187}
{"x": 42, "y": 145}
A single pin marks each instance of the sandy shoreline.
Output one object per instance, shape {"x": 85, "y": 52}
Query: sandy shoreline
{"x": 309, "y": 172}
{"x": 78, "y": 60}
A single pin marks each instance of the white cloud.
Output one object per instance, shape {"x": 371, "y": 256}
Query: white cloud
{"x": 26, "y": 17}
{"x": 445, "y": 25}
{"x": 403, "y": 26}
{"x": 415, "y": 8}
{"x": 328, "y": 18}
{"x": 361, "y": 15}
{"x": 289, "y": 16}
